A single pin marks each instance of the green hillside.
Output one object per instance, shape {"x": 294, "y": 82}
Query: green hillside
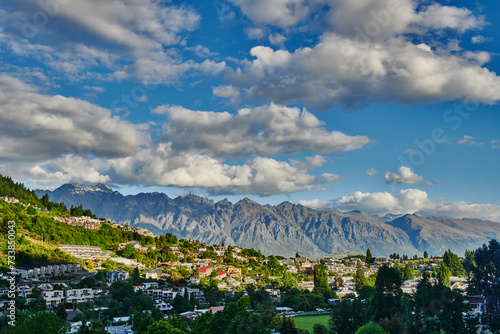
{"x": 34, "y": 223}
{"x": 31, "y": 224}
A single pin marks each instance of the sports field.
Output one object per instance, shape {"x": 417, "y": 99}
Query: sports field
{"x": 307, "y": 322}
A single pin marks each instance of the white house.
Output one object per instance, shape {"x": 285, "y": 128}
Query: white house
{"x": 114, "y": 276}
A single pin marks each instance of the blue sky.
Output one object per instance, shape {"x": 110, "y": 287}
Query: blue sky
{"x": 378, "y": 105}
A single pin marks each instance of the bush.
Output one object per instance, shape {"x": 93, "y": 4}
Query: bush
{"x": 371, "y": 328}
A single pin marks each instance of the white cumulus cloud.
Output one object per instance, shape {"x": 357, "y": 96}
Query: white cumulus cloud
{"x": 161, "y": 165}
{"x": 110, "y": 40}
{"x": 403, "y": 176}
{"x": 259, "y": 131}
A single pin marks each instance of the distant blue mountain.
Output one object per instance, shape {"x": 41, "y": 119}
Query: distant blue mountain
{"x": 282, "y": 229}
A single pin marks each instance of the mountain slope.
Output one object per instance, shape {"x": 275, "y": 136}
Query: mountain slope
{"x": 283, "y": 229}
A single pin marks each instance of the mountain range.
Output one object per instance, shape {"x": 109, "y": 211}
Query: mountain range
{"x": 284, "y": 229}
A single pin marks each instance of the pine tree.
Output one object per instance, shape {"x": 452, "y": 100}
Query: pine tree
{"x": 408, "y": 273}
{"x": 320, "y": 277}
{"x": 360, "y": 277}
{"x": 369, "y": 257}
{"x": 443, "y": 275}
{"x": 452, "y": 261}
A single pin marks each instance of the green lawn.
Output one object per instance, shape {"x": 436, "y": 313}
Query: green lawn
{"x": 308, "y": 322}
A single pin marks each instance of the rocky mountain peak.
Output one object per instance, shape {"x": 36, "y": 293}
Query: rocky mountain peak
{"x": 80, "y": 188}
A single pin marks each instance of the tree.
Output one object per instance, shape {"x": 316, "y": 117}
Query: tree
{"x": 486, "y": 280}
{"x": 88, "y": 282}
{"x": 288, "y": 326}
{"x": 164, "y": 326}
{"x": 44, "y": 322}
{"x": 290, "y": 281}
{"x": 320, "y": 277}
{"x": 371, "y": 328}
{"x": 347, "y": 317}
{"x": 136, "y": 276}
{"x": 360, "y": 277}
{"x": 120, "y": 290}
{"x": 443, "y": 275}
{"x": 31, "y": 211}
{"x": 408, "y": 273}
{"x": 426, "y": 255}
{"x": 244, "y": 302}
{"x": 246, "y": 323}
{"x": 80, "y": 316}
{"x": 469, "y": 263}
{"x": 129, "y": 251}
{"x": 320, "y": 329}
{"x": 84, "y": 329}
{"x": 452, "y": 261}
{"x": 388, "y": 293}
{"x": 436, "y": 308}
{"x": 181, "y": 304}
{"x": 297, "y": 255}
{"x": 273, "y": 262}
{"x": 228, "y": 254}
{"x": 61, "y": 311}
{"x": 369, "y": 257}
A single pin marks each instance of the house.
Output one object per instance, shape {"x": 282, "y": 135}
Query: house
{"x": 221, "y": 275}
{"x": 205, "y": 271}
{"x": 45, "y": 287}
{"x": 150, "y": 285}
{"x": 24, "y": 290}
{"x": 85, "y": 252}
{"x": 194, "y": 280}
{"x": 79, "y": 296}
{"x": 249, "y": 280}
{"x": 476, "y": 301}
{"x": 48, "y": 270}
{"x": 196, "y": 294}
{"x": 85, "y": 222}
{"x": 53, "y": 298}
{"x": 152, "y": 273}
{"x": 9, "y": 199}
{"x": 74, "y": 327}
{"x": 222, "y": 285}
{"x": 232, "y": 270}
{"x": 168, "y": 294}
{"x": 114, "y": 276}
{"x": 163, "y": 306}
{"x": 127, "y": 262}
{"x": 232, "y": 282}
{"x": 215, "y": 309}
{"x": 306, "y": 285}
{"x": 275, "y": 294}
{"x": 300, "y": 259}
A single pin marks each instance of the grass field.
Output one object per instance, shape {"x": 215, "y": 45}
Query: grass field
{"x": 308, "y": 322}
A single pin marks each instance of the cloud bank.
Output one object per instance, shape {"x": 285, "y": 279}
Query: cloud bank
{"x": 409, "y": 201}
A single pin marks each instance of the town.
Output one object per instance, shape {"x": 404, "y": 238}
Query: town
{"x": 135, "y": 279}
